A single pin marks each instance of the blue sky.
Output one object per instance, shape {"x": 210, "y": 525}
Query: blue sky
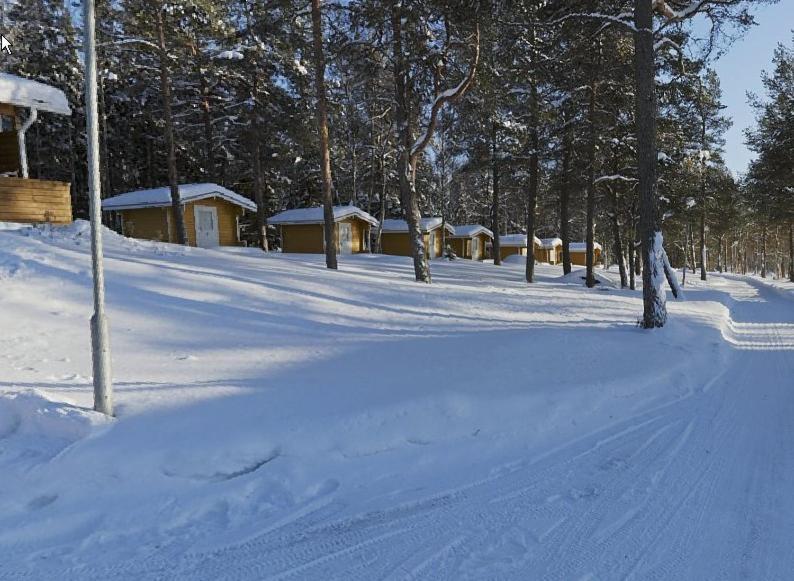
{"x": 740, "y": 71}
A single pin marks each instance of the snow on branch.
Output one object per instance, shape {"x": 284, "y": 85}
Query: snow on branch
{"x": 449, "y": 96}
{"x": 616, "y": 177}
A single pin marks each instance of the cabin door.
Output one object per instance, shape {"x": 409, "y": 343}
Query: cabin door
{"x": 345, "y": 238}
{"x": 207, "y": 233}
{"x": 432, "y": 243}
{"x": 475, "y": 248}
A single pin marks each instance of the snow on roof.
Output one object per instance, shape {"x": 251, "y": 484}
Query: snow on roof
{"x": 159, "y": 197}
{"x": 471, "y": 230}
{"x": 581, "y": 246}
{"x": 315, "y": 215}
{"x": 32, "y": 95}
{"x": 425, "y": 225}
{"x": 519, "y": 240}
{"x": 549, "y": 243}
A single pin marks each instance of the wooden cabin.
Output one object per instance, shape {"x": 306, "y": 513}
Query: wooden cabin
{"x": 471, "y": 241}
{"x": 212, "y": 214}
{"x": 23, "y": 199}
{"x": 303, "y": 230}
{"x": 511, "y": 244}
{"x": 549, "y": 251}
{"x": 578, "y": 252}
{"x": 394, "y": 237}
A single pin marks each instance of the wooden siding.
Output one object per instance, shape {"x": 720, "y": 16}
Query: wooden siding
{"x": 398, "y": 243}
{"x": 227, "y": 220}
{"x": 580, "y": 258}
{"x": 462, "y": 246}
{"x": 310, "y": 238}
{"x": 505, "y": 251}
{"x": 159, "y": 224}
{"x": 146, "y": 223}
{"x": 33, "y": 201}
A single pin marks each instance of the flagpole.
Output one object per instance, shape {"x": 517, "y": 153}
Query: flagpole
{"x": 100, "y": 337}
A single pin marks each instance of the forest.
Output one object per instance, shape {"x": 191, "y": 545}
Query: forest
{"x": 590, "y": 120}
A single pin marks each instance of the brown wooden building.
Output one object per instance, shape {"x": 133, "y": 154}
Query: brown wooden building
{"x": 471, "y": 241}
{"x": 510, "y": 244}
{"x": 394, "y": 238}
{"x": 549, "y": 251}
{"x": 212, "y": 214}
{"x": 578, "y": 252}
{"x": 23, "y": 199}
{"x": 303, "y": 230}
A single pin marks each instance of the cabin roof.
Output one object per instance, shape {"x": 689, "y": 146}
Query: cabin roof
{"x": 582, "y": 246}
{"x": 549, "y": 243}
{"x": 32, "y": 95}
{"x": 315, "y": 215}
{"x": 160, "y": 197}
{"x": 516, "y": 240}
{"x": 471, "y": 230}
{"x": 425, "y": 225}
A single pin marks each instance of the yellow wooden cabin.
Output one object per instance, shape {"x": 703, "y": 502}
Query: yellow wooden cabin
{"x": 23, "y": 199}
{"x": 549, "y": 251}
{"x": 471, "y": 241}
{"x": 511, "y": 244}
{"x": 578, "y": 252}
{"x": 394, "y": 237}
{"x": 212, "y": 214}
{"x": 303, "y": 230}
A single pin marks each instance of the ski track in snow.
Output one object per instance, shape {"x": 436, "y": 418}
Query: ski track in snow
{"x": 694, "y": 488}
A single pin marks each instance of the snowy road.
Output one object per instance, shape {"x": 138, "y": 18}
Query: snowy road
{"x": 526, "y": 440}
{"x": 695, "y": 489}
{"x": 665, "y": 495}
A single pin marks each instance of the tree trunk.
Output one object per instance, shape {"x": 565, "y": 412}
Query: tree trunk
{"x": 259, "y": 194}
{"x": 534, "y": 178}
{"x": 763, "y": 251}
{"x": 591, "y": 171}
{"x": 408, "y": 198}
{"x": 618, "y": 243}
{"x": 322, "y": 129}
{"x": 565, "y": 235}
{"x": 495, "y": 210}
{"x": 703, "y": 244}
{"x": 654, "y": 308}
{"x": 791, "y": 251}
{"x": 165, "y": 88}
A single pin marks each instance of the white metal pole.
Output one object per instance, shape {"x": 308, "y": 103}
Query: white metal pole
{"x": 100, "y": 339}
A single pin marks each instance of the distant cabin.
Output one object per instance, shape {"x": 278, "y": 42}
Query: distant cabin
{"x": 303, "y": 230}
{"x": 550, "y": 251}
{"x": 578, "y": 252}
{"x": 23, "y": 199}
{"x": 212, "y": 214}
{"x": 510, "y": 244}
{"x": 394, "y": 238}
{"x": 471, "y": 241}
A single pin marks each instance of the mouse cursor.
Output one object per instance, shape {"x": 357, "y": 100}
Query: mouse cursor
{"x": 5, "y": 44}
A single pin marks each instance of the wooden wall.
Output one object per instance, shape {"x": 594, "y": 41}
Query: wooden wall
{"x": 309, "y": 238}
{"x": 505, "y": 251}
{"x": 159, "y": 224}
{"x": 399, "y": 244}
{"x": 34, "y": 201}
{"x": 580, "y": 258}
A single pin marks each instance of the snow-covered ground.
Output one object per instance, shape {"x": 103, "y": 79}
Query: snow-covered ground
{"x": 277, "y": 420}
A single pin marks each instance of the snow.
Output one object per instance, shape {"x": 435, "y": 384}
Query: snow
{"x": 280, "y": 420}
{"x": 550, "y": 243}
{"x": 32, "y": 95}
{"x": 471, "y": 230}
{"x": 230, "y": 55}
{"x": 516, "y": 240}
{"x": 582, "y": 246}
{"x": 159, "y": 197}
{"x": 425, "y": 225}
{"x": 315, "y": 215}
